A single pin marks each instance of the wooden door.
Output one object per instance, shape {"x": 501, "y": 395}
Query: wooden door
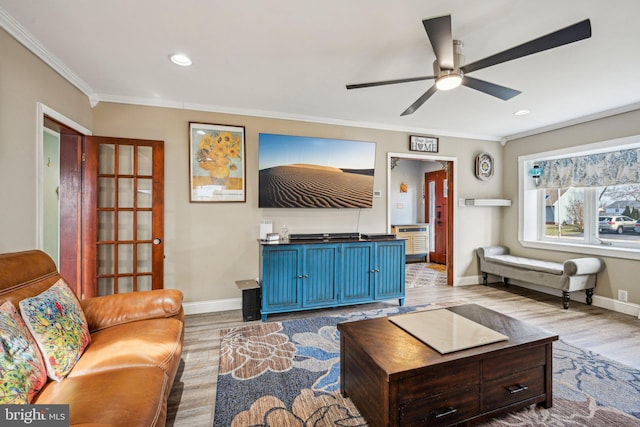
{"x": 437, "y": 213}
{"x": 69, "y": 191}
{"x": 123, "y": 210}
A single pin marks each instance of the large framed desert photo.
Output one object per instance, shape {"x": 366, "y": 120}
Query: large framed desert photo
{"x": 310, "y": 172}
{"x": 216, "y": 163}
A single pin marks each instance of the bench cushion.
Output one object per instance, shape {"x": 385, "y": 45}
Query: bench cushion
{"x": 527, "y": 263}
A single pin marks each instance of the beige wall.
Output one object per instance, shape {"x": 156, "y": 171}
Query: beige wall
{"x": 619, "y": 273}
{"x": 210, "y": 245}
{"x": 25, "y": 81}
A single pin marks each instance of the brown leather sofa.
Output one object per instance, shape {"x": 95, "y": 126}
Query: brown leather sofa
{"x": 125, "y": 374}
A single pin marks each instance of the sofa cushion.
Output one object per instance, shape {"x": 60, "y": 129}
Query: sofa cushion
{"x": 21, "y": 365}
{"x": 153, "y": 342}
{"x": 58, "y": 325}
{"x": 527, "y": 263}
{"x": 131, "y": 397}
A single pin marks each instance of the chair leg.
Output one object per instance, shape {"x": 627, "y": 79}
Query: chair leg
{"x": 505, "y": 280}
{"x": 565, "y": 299}
{"x": 589, "y": 293}
{"x": 485, "y": 277}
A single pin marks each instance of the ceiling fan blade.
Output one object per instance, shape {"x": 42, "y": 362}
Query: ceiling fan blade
{"x": 492, "y": 89}
{"x": 389, "y": 82}
{"x": 439, "y": 33}
{"x": 570, "y": 34}
{"x": 413, "y": 107}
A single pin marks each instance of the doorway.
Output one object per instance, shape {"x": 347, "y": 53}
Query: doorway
{"x": 413, "y": 168}
{"x": 100, "y": 207}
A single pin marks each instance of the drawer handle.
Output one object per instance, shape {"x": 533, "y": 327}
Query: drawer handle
{"x": 439, "y": 413}
{"x": 517, "y": 388}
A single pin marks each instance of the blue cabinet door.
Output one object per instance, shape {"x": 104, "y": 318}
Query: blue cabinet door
{"x": 389, "y": 264}
{"x": 281, "y": 280}
{"x": 320, "y": 275}
{"x": 357, "y": 272}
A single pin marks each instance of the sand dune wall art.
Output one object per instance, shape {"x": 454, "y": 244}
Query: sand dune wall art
{"x": 303, "y": 172}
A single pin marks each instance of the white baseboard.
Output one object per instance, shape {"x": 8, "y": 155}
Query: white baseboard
{"x": 466, "y": 281}
{"x": 212, "y": 306}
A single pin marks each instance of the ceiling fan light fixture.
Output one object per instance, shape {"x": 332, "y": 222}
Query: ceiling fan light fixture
{"x": 449, "y": 81}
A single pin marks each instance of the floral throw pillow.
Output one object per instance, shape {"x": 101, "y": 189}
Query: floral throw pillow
{"x": 59, "y": 326}
{"x": 22, "y": 372}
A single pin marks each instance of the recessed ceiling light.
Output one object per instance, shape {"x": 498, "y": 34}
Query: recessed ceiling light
{"x": 180, "y": 59}
{"x": 521, "y": 113}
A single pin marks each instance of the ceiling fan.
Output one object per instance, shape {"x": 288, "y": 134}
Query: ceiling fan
{"x": 449, "y": 71}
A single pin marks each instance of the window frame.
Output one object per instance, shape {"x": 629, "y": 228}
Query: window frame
{"x": 531, "y": 206}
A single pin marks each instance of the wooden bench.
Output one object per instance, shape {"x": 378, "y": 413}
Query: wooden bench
{"x": 575, "y": 274}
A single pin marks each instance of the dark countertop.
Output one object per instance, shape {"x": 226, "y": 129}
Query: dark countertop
{"x": 321, "y": 241}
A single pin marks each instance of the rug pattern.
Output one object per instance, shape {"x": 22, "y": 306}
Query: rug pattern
{"x": 282, "y": 374}
{"x": 419, "y": 275}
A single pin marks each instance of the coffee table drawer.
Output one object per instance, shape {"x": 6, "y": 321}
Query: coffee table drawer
{"x": 438, "y": 380}
{"x": 514, "y": 388}
{"x": 442, "y": 409}
{"x": 508, "y": 364}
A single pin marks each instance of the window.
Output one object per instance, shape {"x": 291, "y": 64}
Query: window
{"x": 586, "y": 200}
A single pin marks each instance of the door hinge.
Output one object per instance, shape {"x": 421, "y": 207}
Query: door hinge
{"x": 84, "y": 157}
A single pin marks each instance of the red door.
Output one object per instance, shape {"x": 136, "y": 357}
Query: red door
{"x": 436, "y": 213}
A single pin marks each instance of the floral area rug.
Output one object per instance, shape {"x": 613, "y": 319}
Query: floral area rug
{"x": 282, "y": 374}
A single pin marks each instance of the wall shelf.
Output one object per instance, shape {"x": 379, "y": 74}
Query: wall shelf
{"x": 487, "y": 202}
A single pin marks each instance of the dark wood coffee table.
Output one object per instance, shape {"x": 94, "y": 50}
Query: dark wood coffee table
{"x": 395, "y": 379}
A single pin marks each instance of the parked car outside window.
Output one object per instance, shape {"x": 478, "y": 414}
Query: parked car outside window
{"x": 616, "y": 224}
{"x": 637, "y": 228}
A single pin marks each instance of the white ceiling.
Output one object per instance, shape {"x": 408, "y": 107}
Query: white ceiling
{"x": 292, "y": 58}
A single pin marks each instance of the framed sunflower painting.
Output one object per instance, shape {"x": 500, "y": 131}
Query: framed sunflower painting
{"x": 217, "y": 163}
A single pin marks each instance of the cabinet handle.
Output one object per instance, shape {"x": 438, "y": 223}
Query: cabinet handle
{"x": 303, "y": 276}
{"x": 439, "y": 413}
{"x": 517, "y": 388}
{"x": 300, "y": 276}
{"x": 375, "y": 270}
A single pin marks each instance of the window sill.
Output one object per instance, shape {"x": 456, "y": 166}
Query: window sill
{"x": 580, "y": 248}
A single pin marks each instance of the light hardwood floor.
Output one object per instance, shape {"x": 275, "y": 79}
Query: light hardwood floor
{"x": 608, "y": 333}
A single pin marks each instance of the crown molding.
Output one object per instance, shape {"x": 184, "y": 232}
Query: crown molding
{"x": 18, "y": 32}
{"x": 286, "y": 116}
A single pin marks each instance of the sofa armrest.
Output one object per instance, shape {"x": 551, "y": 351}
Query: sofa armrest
{"x": 492, "y": 250}
{"x": 110, "y": 310}
{"x": 581, "y": 266}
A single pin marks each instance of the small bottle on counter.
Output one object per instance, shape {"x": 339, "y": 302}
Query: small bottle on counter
{"x": 284, "y": 234}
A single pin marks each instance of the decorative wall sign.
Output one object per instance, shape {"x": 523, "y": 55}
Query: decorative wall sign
{"x": 427, "y": 144}
{"x": 484, "y": 166}
{"x": 217, "y": 163}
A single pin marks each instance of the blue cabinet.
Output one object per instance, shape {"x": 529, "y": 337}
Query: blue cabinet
{"x": 324, "y": 274}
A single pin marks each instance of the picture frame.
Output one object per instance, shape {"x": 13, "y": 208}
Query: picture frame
{"x": 217, "y": 163}
{"x": 426, "y": 144}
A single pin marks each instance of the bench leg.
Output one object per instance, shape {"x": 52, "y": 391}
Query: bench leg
{"x": 505, "y": 280}
{"x": 485, "y": 278}
{"x": 565, "y": 299}
{"x": 589, "y": 293}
